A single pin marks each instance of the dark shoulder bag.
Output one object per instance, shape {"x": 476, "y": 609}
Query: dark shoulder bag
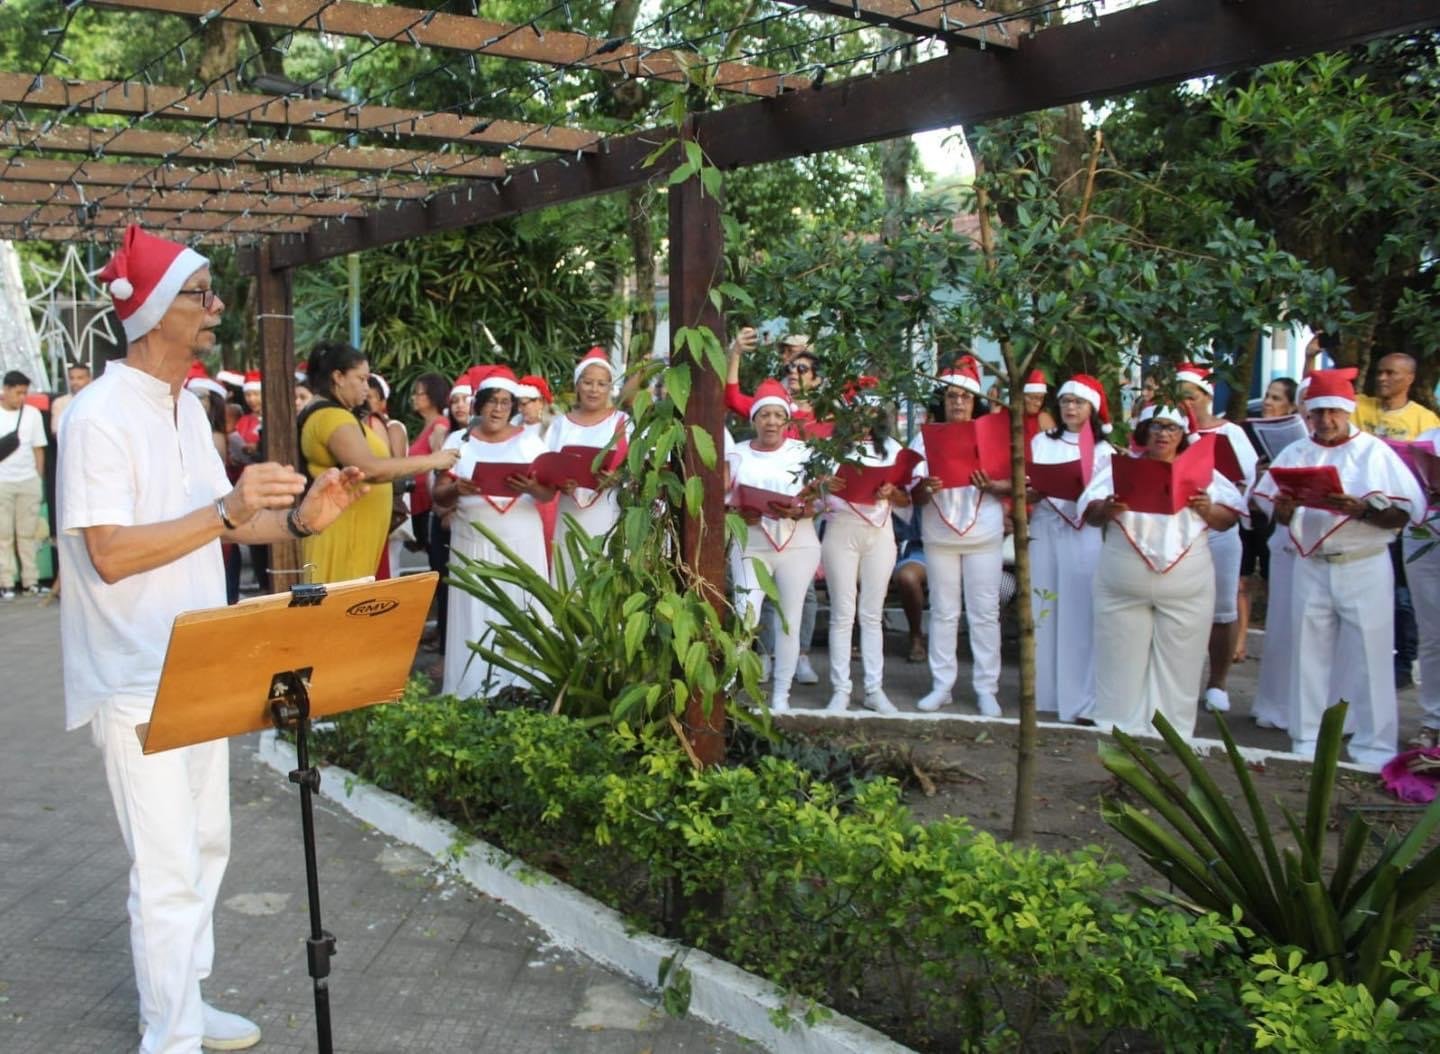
{"x": 11, "y": 442}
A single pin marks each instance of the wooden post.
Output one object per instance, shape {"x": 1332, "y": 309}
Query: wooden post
{"x": 696, "y": 244}
{"x": 275, "y": 327}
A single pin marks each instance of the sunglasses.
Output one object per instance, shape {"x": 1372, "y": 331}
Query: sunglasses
{"x": 798, "y": 368}
{"x": 207, "y": 297}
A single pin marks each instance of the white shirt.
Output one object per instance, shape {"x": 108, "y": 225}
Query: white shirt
{"x": 522, "y": 448}
{"x": 959, "y": 516}
{"x": 781, "y": 470}
{"x": 19, "y": 467}
{"x": 1161, "y": 540}
{"x": 874, "y": 514}
{"x": 131, "y": 454}
{"x": 1366, "y": 466}
{"x": 1062, "y": 451}
{"x": 564, "y": 432}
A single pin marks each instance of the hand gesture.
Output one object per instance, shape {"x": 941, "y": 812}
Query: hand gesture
{"x": 1199, "y": 503}
{"x": 264, "y": 486}
{"x": 444, "y": 460}
{"x": 1345, "y": 505}
{"x": 330, "y": 495}
{"x": 1285, "y": 506}
{"x": 748, "y": 339}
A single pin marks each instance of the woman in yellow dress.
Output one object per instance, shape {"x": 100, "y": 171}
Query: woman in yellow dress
{"x": 330, "y": 434}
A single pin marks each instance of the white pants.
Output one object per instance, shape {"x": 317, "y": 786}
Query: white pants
{"x": 174, "y": 813}
{"x": 949, "y": 570}
{"x": 1062, "y": 580}
{"x": 1424, "y": 577}
{"x": 856, "y": 552}
{"x": 1272, "y": 698}
{"x": 1327, "y": 600}
{"x": 793, "y": 569}
{"x": 1151, "y": 634}
{"x": 1226, "y": 553}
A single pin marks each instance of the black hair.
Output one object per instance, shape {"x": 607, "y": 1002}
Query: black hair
{"x": 329, "y": 357}
{"x": 14, "y": 378}
{"x": 484, "y": 396}
{"x": 1096, "y": 430}
{"x": 1292, "y": 390}
{"x": 436, "y": 389}
{"x": 1142, "y": 433}
{"x": 215, "y": 411}
{"x": 982, "y": 404}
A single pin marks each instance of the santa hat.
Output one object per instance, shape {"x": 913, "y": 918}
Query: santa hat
{"x": 533, "y": 387}
{"x": 596, "y": 356}
{"x": 1196, "y": 375}
{"x": 384, "y": 386}
{"x": 1331, "y": 390}
{"x": 252, "y": 381}
{"x": 1036, "y": 384}
{"x": 1162, "y": 412}
{"x": 1084, "y": 386}
{"x": 463, "y": 385}
{"x": 771, "y": 393}
{"x": 501, "y": 377}
{"x": 197, "y": 380}
{"x": 231, "y": 377}
{"x": 144, "y": 276}
{"x": 964, "y": 374}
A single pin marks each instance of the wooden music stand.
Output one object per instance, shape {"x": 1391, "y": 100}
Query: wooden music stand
{"x": 284, "y": 660}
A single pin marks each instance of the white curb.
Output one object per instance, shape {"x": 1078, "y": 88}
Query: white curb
{"x": 721, "y": 994}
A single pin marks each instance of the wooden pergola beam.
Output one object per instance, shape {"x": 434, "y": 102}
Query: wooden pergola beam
{"x": 134, "y": 141}
{"x": 64, "y": 215}
{"x": 65, "y": 194}
{"x": 101, "y": 235}
{"x": 1156, "y": 43}
{"x": 478, "y": 36}
{"x": 955, "y": 21}
{"x": 129, "y": 98}
{"x": 236, "y": 178}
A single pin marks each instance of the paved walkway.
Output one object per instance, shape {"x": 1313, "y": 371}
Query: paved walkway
{"x": 424, "y": 963}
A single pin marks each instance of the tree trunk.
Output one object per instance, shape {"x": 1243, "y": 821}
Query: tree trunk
{"x": 1242, "y": 377}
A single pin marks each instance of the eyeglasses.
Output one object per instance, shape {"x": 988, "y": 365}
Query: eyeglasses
{"x": 207, "y": 297}
{"x": 798, "y": 368}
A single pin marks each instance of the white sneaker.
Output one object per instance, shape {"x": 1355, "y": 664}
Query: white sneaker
{"x": 767, "y": 667}
{"x": 804, "y": 672}
{"x": 934, "y": 701}
{"x": 1217, "y": 700}
{"x": 226, "y": 1031}
{"x": 779, "y": 704}
{"x": 987, "y": 704}
{"x": 879, "y": 702}
{"x": 839, "y": 701}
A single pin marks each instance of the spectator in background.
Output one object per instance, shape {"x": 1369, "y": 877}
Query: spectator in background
{"x": 1281, "y": 400}
{"x": 22, "y": 474}
{"x": 77, "y": 375}
{"x": 1422, "y": 564}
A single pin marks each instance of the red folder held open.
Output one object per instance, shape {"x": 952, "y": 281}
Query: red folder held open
{"x": 1309, "y": 485}
{"x": 862, "y": 481}
{"x": 1420, "y": 458}
{"x": 957, "y": 449}
{"x": 759, "y": 500}
{"x": 491, "y": 477}
{"x": 1145, "y": 484}
{"x": 1064, "y": 481}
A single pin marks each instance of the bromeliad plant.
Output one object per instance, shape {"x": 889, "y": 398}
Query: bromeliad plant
{"x": 1351, "y": 922}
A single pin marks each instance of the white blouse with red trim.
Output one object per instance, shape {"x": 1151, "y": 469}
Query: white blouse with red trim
{"x": 782, "y": 470}
{"x": 1161, "y": 540}
{"x": 963, "y": 516}
{"x": 1047, "y": 451}
{"x": 873, "y": 514}
{"x": 1366, "y": 467}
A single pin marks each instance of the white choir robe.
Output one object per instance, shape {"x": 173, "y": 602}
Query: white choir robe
{"x": 517, "y": 522}
{"x": 594, "y": 512}
{"x": 1226, "y": 550}
{"x": 1154, "y": 599}
{"x": 1343, "y": 585}
{"x": 1064, "y": 553}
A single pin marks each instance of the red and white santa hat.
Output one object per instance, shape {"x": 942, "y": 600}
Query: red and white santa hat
{"x": 197, "y": 380}
{"x": 1331, "y": 390}
{"x": 1196, "y": 375}
{"x": 231, "y": 377}
{"x": 1036, "y": 384}
{"x": 501, "y": 377}
{"x": 144, "y": 276}
{"x": 964, "y": 374}
{"x": 463, "y": 385}
{"x": 1161, "y": 412}
{"x": 771, "y": 393}
{"x": 596, "y": 356}
{"x": 533, "y": 387}
{"x": 1084, "y": 386}
{"x": 252, "y": 381}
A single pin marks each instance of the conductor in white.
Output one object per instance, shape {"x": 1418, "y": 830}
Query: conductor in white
{"x": 1343, "y": 575}
{"x": 143, "y": 506}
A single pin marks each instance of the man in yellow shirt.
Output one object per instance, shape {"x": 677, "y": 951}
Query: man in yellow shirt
{"x": 1389, "y": 413}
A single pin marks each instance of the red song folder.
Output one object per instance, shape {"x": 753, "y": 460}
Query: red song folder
{"x": 1227, "y": 462}
{"x": 558, "y": 467}
{"x": 491, "y": 477}
{"x": 759, "y": 500}
{"x": 1064, "y": 481}
{"x": 1421, "y": 460}
{"x": 957, "y": 449}
{"x": 1145, "y": 484}
{"x": 1309, "y": 485}
{"x": 862, "y": 481}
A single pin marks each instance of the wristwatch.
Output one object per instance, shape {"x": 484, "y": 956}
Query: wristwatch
{"x": 1375, "y": 503}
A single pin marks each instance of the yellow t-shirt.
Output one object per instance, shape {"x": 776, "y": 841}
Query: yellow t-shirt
{"x": 351, "y": 546}
{"x": 1405, "y": 423}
